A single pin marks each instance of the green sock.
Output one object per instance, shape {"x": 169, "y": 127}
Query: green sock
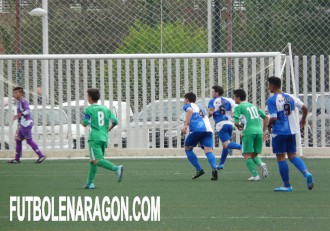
{"x": 257, "y": 160}
{"x": 107, "y": 164}
{"x": 250, "y": 164}
{"x": 92, "y": 172}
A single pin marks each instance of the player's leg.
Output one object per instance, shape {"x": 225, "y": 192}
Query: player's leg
{"x": 225, "y": 136}
{"x": 279, "y": 144}
{"x": 190, "y": 142}
{"x": 91, "y": 175}
{"x": 207, "y": 145}
{"x": 248, "y": 150}
{"x": 258, "y": 142}
{"x": 98, "y": 152}
{"x": 298, "y": 162}
{"x": 36, "y": 149}
{"x": 27, "y": 134}
{"x": 18, "y": 138}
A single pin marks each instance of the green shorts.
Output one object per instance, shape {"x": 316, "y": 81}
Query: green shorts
{"x": 96, "y": 149}
{"x": 252, "y": 143}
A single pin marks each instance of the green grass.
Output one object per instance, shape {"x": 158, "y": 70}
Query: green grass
{"x": 231, "y": 203}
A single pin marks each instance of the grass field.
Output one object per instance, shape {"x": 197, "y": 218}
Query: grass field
{"x": 231, "y": 203}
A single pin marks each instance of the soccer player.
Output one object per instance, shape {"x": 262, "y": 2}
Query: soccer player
{"x": 282, "y": 126}
{"x": 24, "y": 130}
{"x": 253, "y": 135}
{"x": 200, "y": 130}
{"x": 221, "y": 109}
{"x": 98, "y": 118}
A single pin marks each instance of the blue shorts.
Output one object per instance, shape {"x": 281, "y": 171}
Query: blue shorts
{"x": 225, "y": 132}
{"x": 204, "y": 138}
{"x": 284, "y": 144}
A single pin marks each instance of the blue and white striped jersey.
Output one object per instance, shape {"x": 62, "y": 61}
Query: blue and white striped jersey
{"x": 282, "y": 106}
{"x": 199, "y": 121}
{"x": 222, "y": 108}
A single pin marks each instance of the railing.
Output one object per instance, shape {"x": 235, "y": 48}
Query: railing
{"x": 144, "y": 90}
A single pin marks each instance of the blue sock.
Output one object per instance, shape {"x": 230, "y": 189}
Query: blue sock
{"x": 284, "y": 172}
{"x": 211, "y": 158}
{"x": 223, "y": 156}
{"x": 233, "y": 145}
{"x": 299, "y": 164}
{"x": 193, "y": 159}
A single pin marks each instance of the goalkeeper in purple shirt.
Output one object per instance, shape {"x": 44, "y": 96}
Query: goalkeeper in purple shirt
{"x": 24, "y": 130}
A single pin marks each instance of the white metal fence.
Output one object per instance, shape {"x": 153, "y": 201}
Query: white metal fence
{"x": 145, "y": 91}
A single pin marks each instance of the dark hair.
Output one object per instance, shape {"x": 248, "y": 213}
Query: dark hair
{"x": 94, "y": 93}
{"x": 240, "y": 93}
{"x": 20, "y": 89}
{"x": 218, "y": 89}
{"x": 191, "y": 97}
{"x": 275, "y": 81}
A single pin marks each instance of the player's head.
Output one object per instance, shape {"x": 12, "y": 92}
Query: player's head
{"x": 18, "y": 92}
{"x": 93, "y": 95}
{"x": 190, "y": 97}
{"x": 217, "y": 91}
{"x": 239, "y": 96}
{"x": 274, "y": 83}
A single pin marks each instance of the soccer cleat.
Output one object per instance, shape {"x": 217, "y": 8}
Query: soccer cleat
{"x": 214, "y": 174}
{"x": 264, "y": 170}
{"x": 220, "y": 166}
{"x": 310, "y": 181}
{"x": 283, "y": 189}
{"x": 14, "y": 161}
{"x": 254, "y": 178}
{"x": 40, "y": 160}
{"x": 89, "y": 186}
{"x": 198, "y": 174}
{"x": 120, "y": 173}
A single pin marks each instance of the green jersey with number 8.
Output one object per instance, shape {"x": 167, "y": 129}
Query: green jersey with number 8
{"x": 249, "y": 115}
{"x": 98, "y": 117}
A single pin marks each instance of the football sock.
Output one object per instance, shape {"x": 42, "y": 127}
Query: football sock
{"x": 257, "y": 160}
{"x": 211, "y": 158}
{"x": 18, "y": 149}
{"x": 223, "y": 156}
{"x": 250, "y": 164}
{"x": 35, "y": 147}
{"x": 193, "y": 159}
{"x": 92, "y": 173}
{"x": 233, "y": 145}
{"x": 299, "y": 164}
{"x": 107, "y": 164}
{"x": 284, "y": 172}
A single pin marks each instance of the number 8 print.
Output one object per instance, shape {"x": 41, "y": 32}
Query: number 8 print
{"x": 100, "y": 116}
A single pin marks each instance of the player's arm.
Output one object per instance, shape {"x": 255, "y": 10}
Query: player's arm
{"x": 304, "y": 109}
{"x": 272, "y": 114}
{"x": 114, "y": 121}
{"x": 187, "y": 120}
{"x": 86, "y": 119}
{"x": 210, "y": 112}
{"x": 211, "y": 109}
{"x": 236, "y": 119}
{"x": 26, "y": 110}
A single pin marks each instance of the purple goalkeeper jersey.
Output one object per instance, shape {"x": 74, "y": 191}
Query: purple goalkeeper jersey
{"x": 23, "y": 107}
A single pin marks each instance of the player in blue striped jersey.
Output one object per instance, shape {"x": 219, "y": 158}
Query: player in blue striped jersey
{"x": 221, "y": 109}
{"x": 283, "y": 127}
{"x": 200, "y": 131}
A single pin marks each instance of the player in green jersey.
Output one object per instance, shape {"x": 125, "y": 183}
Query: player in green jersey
{"x": 249, "y": 116}
{"x": 98, "y": 118}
